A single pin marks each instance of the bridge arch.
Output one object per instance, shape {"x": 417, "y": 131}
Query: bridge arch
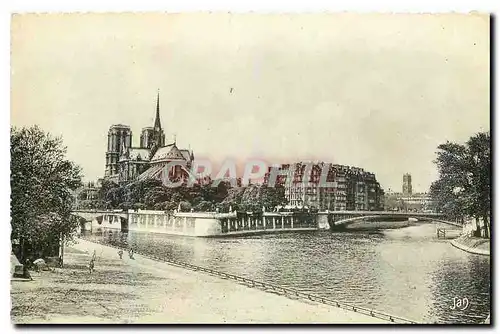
{"x": 109, "y": 219}
{"x": 346, "y": 219}
{"x": 437, "y": 220}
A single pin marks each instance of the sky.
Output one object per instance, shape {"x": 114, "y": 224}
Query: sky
{"x": 377, "y": 91}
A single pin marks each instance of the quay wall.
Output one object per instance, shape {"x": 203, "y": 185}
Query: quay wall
{"x": 208, "y": 224}
{"x": 472, "y": 245}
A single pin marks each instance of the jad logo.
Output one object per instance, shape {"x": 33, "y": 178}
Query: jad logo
{"x": 460, "y": 303}
{"x": 255, "y": 171}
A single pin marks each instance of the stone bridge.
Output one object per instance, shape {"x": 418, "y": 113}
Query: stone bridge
{"x": 106, "y": 217}
{"x": 342, "y": 218}
{"x": 90, "y": 215}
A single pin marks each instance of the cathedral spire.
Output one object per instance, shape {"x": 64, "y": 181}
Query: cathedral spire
{"x": 157, "y": 125}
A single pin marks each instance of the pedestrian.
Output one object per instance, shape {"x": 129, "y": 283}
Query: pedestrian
{"x": 91, "y": 266}
{"x": 26, "y": 268}
{"x": 120, "y": 254}
{"x": 131, "y": 253}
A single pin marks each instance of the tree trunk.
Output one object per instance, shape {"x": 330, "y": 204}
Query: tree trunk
{"x": 62, "y": 252}
{"x": 486, "y": 225}
{"x": 477, "y": 232}
{"x": 22, "y": 257}
{"x": 21, "y": 250}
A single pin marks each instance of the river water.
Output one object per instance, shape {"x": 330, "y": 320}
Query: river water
{"x": 406, "y": 272}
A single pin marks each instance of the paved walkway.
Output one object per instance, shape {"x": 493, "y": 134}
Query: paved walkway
{"x": 147, "y": 291}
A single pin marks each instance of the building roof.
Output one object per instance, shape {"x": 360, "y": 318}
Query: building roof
{"x": 186, "y": 154}
{"x": 168, "y": 153}
{"x": 156, "y": 171}
{"x": 153, "y": 172}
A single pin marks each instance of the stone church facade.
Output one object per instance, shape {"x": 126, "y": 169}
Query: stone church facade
{"x": 126, "y": 163}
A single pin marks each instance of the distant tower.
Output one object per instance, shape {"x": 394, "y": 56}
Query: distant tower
{"x": 119, "y": 138}
{"x": 407, "y": 189}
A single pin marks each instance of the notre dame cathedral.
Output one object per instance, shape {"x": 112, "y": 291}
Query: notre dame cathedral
{"x": 125, "y": 163}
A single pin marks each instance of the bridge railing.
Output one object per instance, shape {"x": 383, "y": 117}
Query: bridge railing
{"x": 397, "y": 213}
{"x": 100, "y": 211}
{"x": 278, "y": 289}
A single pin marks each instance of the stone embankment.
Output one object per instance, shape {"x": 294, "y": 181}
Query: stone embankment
{"x": 479, "y": 246}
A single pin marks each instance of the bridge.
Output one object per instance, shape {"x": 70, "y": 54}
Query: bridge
{"x": 90, "y": 215}
{"x": 109, "y": 217}
{"x": 342, "y": 218}
{"x": 328, "y": 219}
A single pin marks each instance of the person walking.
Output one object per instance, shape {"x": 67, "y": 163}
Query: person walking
{"x": 92, "y": 263}
{"x": 91, "y": 266}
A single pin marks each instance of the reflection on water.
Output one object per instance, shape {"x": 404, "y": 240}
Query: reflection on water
{"x": 406, "y": 272}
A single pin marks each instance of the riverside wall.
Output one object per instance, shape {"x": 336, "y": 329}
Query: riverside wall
{"x": 209, "y": 224}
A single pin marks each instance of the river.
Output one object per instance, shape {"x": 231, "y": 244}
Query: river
{"x": 407, "y": 272}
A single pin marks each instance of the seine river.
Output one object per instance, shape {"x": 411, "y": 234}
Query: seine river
{"x": 406, "y": 272}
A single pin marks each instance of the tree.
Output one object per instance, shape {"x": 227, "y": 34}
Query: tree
{"x": 393, "y": 202}
{"x": 185, "y": 206}
{"x": 216, "y": 194}
{"x": 152, "y": 194}
{"x": 106, "y": 186}
{"x": 479, "y": 178}
{"x": 234, "y": 195}
{"x": 204, "y": 206}
{"x": 254, "y": 197}
{"x": 156, "y": 195}
{"x": 463, "y": 186}
{"x": 114, "y": 197}
{"x": 42, "y": 186}
{"x": 273, "y": 196}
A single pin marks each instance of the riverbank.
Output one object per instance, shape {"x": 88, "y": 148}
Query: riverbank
{"x": 148, "y": 291}
{"x": 479, "y": 246}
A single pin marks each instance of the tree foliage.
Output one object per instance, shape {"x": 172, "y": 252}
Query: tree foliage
{"x": 463, "y": 187}
{"x": 42, "y": 185}
{"x": 254, "y": 198}
{"x": 153, "y": 195}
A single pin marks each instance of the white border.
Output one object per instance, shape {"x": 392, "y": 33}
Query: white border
{"x": 7, "y": 8}
{"x": 256, "y": 5}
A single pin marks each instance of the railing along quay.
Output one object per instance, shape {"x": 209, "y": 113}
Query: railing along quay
{"x": 274, "y": 288}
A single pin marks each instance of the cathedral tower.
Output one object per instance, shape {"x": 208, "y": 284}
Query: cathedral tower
{"x": 119, "y": 137}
